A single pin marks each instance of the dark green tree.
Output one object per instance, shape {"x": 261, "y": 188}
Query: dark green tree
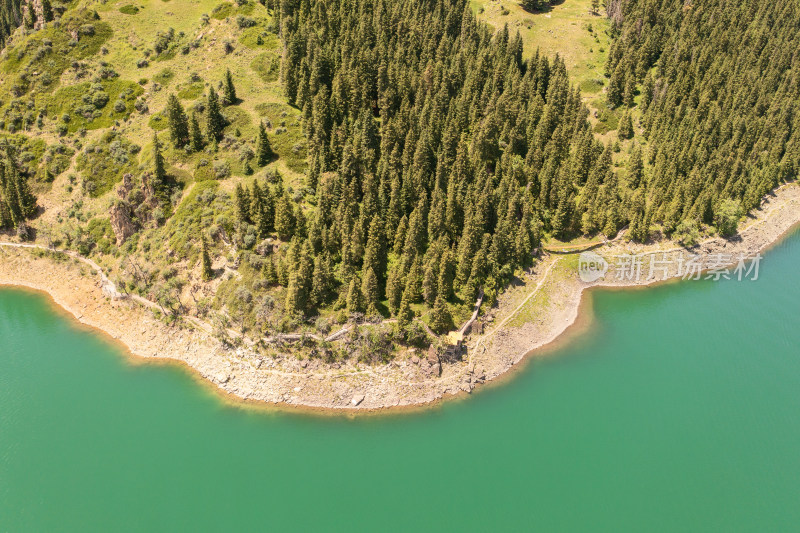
{"x": 405, "y": 314}
{"x": 177, "y": 122}
{"x": 322, "y": 281}
{"x": 625, "y": 126}
{"x": 441, "y": 321}
{"x": 394, "y": 288}
{"x": 264, "y": 153}
{"x": 355, "y": 299}
{"x": 207, "y": 272}
{"x": 196, "y": 140}
{"x": 534, "y": 5}
{"x": 159, "y": 166}
{"x": 17, "y": 202}
{"x": 242, "y": 205}
{"x": 47, "y": 11}
{"x": 215, "y": 122}
{"x": 284, "y": 217}
{"x": 229, "y": 91}
{"x": 616, "y": 87}
{"x": 369, "y": 289}
{"x": 30, "y": 19}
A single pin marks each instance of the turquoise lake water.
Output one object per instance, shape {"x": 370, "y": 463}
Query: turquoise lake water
{"x": 677, "y": 409}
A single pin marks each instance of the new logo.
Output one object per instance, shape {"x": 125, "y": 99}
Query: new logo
{"x": 591, "y": 267}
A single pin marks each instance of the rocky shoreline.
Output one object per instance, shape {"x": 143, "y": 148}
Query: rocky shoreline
{"x": 532, "y": 313}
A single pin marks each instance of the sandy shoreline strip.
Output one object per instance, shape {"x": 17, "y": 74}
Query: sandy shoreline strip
{"x": 535, "y": 311}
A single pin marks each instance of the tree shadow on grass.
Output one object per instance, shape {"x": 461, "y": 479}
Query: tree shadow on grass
{"x": 545, "y": 7}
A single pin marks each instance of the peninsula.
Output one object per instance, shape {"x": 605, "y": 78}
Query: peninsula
{"x": 382, "y": 204}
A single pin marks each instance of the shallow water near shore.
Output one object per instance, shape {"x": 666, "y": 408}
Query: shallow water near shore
{"x": 676, "y": 409}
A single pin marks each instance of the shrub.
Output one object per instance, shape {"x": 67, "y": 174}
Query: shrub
{"x": 726, "y": 217}
{"x": 163, "y": 40}
{"x": 687, "y": 233}
{"x": 244, "y": 22}
{"x": 222, "y": 170}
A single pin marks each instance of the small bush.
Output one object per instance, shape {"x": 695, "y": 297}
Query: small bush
{"x": 222, "y": 170}
{"x": 244, "y": 22}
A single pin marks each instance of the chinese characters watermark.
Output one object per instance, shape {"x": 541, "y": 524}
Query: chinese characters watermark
{"x": 658, "y": 266}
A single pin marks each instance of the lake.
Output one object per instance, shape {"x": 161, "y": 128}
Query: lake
{"x": 675, "y": 409}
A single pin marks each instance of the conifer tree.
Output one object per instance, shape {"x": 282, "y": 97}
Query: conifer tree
{"x": 375, "y": 251}
{"x": 159, "y": 168}
{"x": 264, "y": 153}
{"x": 5, "y": 214}
{"x": 242, "y": 204}
{"x": 369, "y": 288}
{"x": 297, "y": 292}
{"x": 405, "y": 314}
{"x": 13, "y": 208}
{"x": 561, "y": 220}
{"x": 413, "y": 289}
{"x": 630, "y": 92}
{"x": 355, "y": 300}
{"x": 635, "y": 168}
{"x": 17, "y": 203}
{"x": 27, "y": 201}
{"x": 639, "y": 230}
{"x": 446, "y": 276}
{"x": 400, "y": 235}
{"x": 300, "y": 222}
{"x": 265, "y": 216}
{"x": 47, "y": 11}
{"x": 441, "y": 321}
{"x": 30, "y": 20}
{"x": 430, "y": 282}
{"x": 616, "y": 87}
{"x": 207, "y": 272}
{"x": 394, "y": 289}
{"x": 321, "y": 282}
{"x": 284, "y": 217}
{"x": 270, "y": 273}
{"x": 195, "y": 135}
{"x": 229, "y": 91}
{"x": 177, "y": 122}
{"x": 612, "y": 220}
{"x": 215, "y": 122}
{"x": 625, "y": 126}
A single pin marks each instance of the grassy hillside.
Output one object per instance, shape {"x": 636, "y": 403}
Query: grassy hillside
{"x": 83, "y": 97}
{"x": 568, "y": 29}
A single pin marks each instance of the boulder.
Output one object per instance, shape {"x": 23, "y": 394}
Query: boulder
{"x": 357, "y": 399}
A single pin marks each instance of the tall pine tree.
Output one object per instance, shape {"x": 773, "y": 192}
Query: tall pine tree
{"x": 264, "y": 152}
{"x": 177, "y": 122}
{"x": 215, "y": 122}
{"x": 229, "y": 91}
